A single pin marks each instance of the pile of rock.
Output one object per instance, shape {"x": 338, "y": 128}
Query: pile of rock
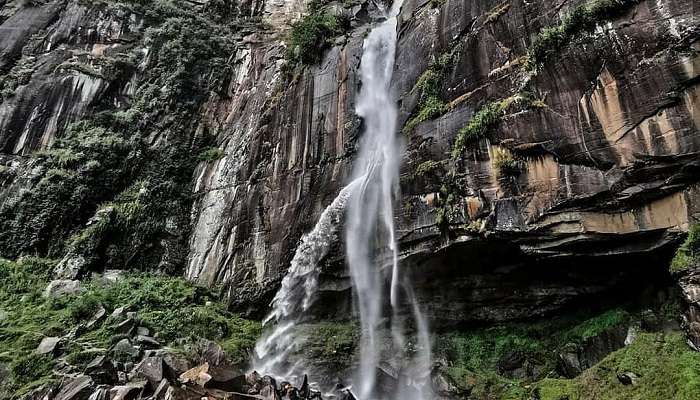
{"x": 136, "y": 366}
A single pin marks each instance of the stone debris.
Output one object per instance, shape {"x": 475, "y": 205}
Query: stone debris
{"x": 62, "y": 287}
{"x": 48, "y": 345}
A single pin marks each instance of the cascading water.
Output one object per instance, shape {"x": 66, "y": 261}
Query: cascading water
{"x": 297, "y": 293}
{"x": 370, "y": 222}
{"x": 370, "y": 232}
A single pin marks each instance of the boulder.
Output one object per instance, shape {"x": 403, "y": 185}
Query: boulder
{"x": 124, "y": 350}
{"x": 196, "y": 376}
{"x": 627, "y": 378}
{"x": 147, "y": 342}
{"x": 101, "y": 393}
{"x": 118, "y": 313}
{"x": 151, "y": 369}
{"x": 71, "y": 266}
{"x": 48, "y": 345}
{"x": 125, "y": 327}
{"x": 161, "y": 390}
{"x": 62, "y": 287}
{"x": 440, "y": 382}
{"x": 576, "y": 357}
{"x": 227, "y": 380}
{"x": 143, "y": 331}
{"x": 130, "y": 391}
{"x": 175, "y": 365}
{"x": 268, "y": 390}
{"x": 102, "y": 370}
{"x": 210, "y": 352}
{"x": 79, "y": 388}
{"x": 97, "y": 317}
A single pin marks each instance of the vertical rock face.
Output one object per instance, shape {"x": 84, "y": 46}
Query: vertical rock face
{"x": 56, "y": 59}
{"x": 288, "y": 148}
{"x": 607, "y": 159}
{"x": 593, "y": 161}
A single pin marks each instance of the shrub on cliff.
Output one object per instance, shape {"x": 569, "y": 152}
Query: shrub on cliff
{"x": 312, "y": 35}
{"x": 688, "y": 255}
{"x": 582, "y": 19}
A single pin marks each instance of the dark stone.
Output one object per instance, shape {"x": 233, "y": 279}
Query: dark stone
{"x": 651, "y": 322}
{"x": 175, "y": 365}
{"x": 102, "y": 370}
{"x": 211, "y": 352}
{"x": 151, "y": 369}
{"x": 227, "y": 380}
{"x": 101, "y": 393}
{"x": 575, "y": 358}
{"x": 130, "y": 391}
{"x": 99, "y": 315}
{"x": 62, "y": 287}
{"x": 147, "y": 342}
{"x": 269, "y": 392}
{"x": 627, "y": 378}
{"x": 124, "y": 350}
{"x": 511, "y": 364}
{"x": 79, "y": 388}
{"x": 125, "y": 327}
{"x": 161, "y": 390}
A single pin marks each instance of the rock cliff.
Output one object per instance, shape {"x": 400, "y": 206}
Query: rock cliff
{"x": 551, "y": 165}
{"x": 549, "y": 159}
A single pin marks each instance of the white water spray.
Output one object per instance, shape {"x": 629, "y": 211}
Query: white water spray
{"x": 370, "y": 223}
{"x": 297, "y": 293}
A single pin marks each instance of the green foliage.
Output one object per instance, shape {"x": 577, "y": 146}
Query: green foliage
{"x": 211, "y": 154}
{"x": 688, "y": 254}
{"x": 582, "y": 19}
{"x": 594, "y": 326}
{"x": 109, "y": 164}
{"x": 473, "y": 356}
{"x": 429, "y": 84}
{"x": 483, "y": 120}
{"x": 313, "y": 34}
{"x": 170, "y": 306}
{"x": 84, "y": 165}
{"x": 19, "y": 75}
{"x": 30, "y": 368}
{"x": 505, "y": 163}
{"x": 331, "y": 344}
{"x": 488, "y": 117}
{"x": 666, "y": 366}
{"x": 431, "y": 108}
{"x": 427, "y": 167}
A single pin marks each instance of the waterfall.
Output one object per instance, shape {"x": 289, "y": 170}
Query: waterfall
{"x": 370, "y": 221}
{"x": 297, "y": 293}
{"x": 367, "y": 203}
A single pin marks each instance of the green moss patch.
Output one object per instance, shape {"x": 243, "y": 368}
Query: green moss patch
{"x": 429, "y": 86}
{"x": 331, "y": 344}
{"x": 688, "y": 254}
{"x": 474, "y": 356}
{"x": 666, "y": 368}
